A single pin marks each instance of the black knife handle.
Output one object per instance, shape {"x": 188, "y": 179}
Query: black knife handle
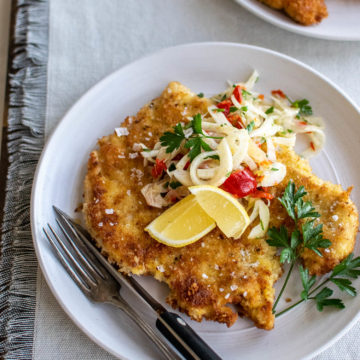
{"x": 184, "y": 338}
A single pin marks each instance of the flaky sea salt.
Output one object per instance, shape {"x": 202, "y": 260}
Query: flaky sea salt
{"x": 160, "y": 268}
{"x": 122, "y": 131}
{"x": 109, "y": 211}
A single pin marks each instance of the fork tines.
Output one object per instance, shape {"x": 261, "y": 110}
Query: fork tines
{"x": 80, "y": 264}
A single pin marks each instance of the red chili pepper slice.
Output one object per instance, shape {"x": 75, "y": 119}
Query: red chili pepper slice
{"x": 262, "y": 195}
{"x": 238, "y": 94}
{"x": 312, "y": 146}
{"x": 279, "y": 92}
{"x": 235, "y": 120}
{"x": 159, "y": 168}
{"x": 240, "y": 183}
{"x": 187, "y": 165}
{"x": 226, "y": 104}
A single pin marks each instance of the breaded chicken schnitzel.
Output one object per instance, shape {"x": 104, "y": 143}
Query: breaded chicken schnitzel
{"x": 215, "y": 271}
{"x": 305, "y": 12}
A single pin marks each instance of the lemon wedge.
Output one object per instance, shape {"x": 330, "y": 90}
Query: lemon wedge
{"x": 182, "y": 224}
{"x": 229, "y": 215}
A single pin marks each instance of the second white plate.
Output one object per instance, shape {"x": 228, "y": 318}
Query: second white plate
{"x": 342, "y": 24}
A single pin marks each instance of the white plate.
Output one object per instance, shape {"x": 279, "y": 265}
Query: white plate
{"x": 342, "y": 23}
{"x": 202, "y": 67}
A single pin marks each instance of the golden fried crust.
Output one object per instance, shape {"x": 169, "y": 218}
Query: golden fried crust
{"x": 305, "y": 12}
{"x": 203, "y": 277}
{"x": 339, "y": 215}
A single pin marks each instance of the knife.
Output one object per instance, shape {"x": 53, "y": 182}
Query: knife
{"x": 171, "y": 325}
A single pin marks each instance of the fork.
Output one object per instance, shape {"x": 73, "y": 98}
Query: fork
{"x": 96, "y": 282}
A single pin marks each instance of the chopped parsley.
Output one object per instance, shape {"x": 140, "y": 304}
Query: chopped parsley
{"x": 233, "y": 109}
{"x": 219, "y": 110}
{"x": 223, "y": 98}
{"x": 215, "y": 157}
{"x": 175, "y": 184}
{"x": 303, "y": 106}
{"x": 274, "y": 169}
{"x": 309, "y": 236}
{"x": 270, "y": 110}
{"x": 245, "y": 93}
{"x": 173, "y": 140}
{"x": 195, "y": 143}
{"x": 172, "y": 167}
{"x": 200, "y": 95}
{"x": 250, "y": 127}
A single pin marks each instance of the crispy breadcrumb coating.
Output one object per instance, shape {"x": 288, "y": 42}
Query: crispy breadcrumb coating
{"x": 215, "y": 271}
{"x": 305, "y": 12}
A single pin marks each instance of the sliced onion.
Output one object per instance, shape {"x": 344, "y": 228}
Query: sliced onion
{"x": 183, "y": 177}
{"x": 182, "y": 162}
{"x": 152, "y": 194}
{"x": 260, "y": 230}
{"x": 250, "y": 162}
{"x": 273, "y": 177}
{"x": 149, "y": 154}
{"x": 238, "y": 141}
{"x": 218, "y": 117}
{"x": 287, "y": 141}
{"x": 271, "y": 154}
{"x": 268, "y": 128}
{"x": 225, "y": 165}
{"x": 252, "y": 80}
{"x": 206, "y": 173}
{"x": 255, "y": 152}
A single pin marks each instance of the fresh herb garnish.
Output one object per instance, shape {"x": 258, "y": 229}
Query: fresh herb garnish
{"x": 245, "y": 93}
{"x": 146, "y": 149}
{"x": 219, "y": 110}
{"x": 309, "y": 236}
{"x": 274, "y": 169}
{"x": 173, "y": 140}
{"x": 233, "y": 109}
{"x": 303, "y": 106}
{"x": 269, "y": 110}
{"x": 223, "y": 98}
{"x": 200, "y": 95}
{"x": 195, "y": 143}
{"x": 172, "y": 167}
{"x": 215, "y": 157}
{"x": 244, "y": 108}
{"x": 175, "y": 184}
{"x": 250, "y": 127}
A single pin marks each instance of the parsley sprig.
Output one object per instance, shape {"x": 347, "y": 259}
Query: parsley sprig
{"x": 348, "y": 268}
{"x": 195, "y": 143}
{"x": 309, "y": 235}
